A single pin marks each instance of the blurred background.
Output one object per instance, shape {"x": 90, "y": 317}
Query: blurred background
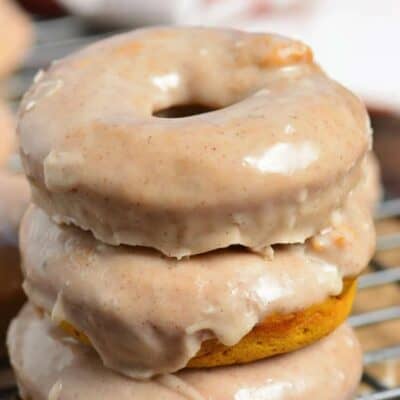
{"x": 355, "y": 41}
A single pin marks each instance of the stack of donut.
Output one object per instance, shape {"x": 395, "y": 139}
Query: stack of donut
{"x": 202, "y": 198}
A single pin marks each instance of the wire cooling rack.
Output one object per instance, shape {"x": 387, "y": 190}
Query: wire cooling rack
{"x": 58, "y": 37}
{"x": 381, "y": 274}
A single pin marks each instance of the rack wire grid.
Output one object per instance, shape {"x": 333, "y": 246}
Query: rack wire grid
{"x": 58, "y": 37}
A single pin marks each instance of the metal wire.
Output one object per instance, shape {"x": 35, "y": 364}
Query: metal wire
{"x": 59, "y": 37}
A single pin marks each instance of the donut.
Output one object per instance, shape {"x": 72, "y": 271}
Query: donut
{"x": 276, "y": 334}
{"x": 329, "y": 369}
{"x": 15, "y": 34}
{"x": 147, "y": 314}
{"x": 274, "y": 157}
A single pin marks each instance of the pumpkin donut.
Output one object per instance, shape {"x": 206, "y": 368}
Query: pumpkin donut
{"x": 147, "y": 314}
{"x": 278, "y": 152}
{"x": 48, "y": 364}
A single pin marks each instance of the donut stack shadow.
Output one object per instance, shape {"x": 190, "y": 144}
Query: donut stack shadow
{"x": 212, "y": 256}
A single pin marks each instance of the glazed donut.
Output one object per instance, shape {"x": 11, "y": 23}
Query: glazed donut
{"x": 148, "y": 314}
{"x": 277, "y": 156}
{"x": 329, "y": 370}
{"x": 15, "y": 36}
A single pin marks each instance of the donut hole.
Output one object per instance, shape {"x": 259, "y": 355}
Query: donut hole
{"x": 184, "y": 110}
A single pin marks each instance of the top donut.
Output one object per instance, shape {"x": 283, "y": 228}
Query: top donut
{"x": 277, "y": 153}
